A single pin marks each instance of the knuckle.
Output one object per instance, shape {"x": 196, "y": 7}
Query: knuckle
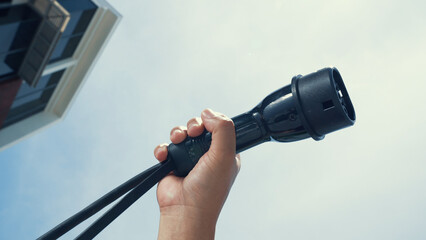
{"x": 190, "y": 121}
{"x": 225, "y": 122}
{"x": 160, "y": 147}
{"x": 164, "y": 145}
{"x": 193, "y": 121}
{"x": 181, "y": 128}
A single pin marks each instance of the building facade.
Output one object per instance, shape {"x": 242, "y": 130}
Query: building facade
{"x": 47, "y": 49}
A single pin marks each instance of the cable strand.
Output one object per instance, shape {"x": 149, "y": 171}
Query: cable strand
{"x": 98, "y": 205}
{"x": 130, "y": 198}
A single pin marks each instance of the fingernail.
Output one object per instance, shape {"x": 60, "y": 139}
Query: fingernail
{"x": 195, "y": 123}
{"x": 176, "y": 131}
{"x": 208, "y": 113}
{"x": 161, "y": 147}
{"x": 191, "y": 125}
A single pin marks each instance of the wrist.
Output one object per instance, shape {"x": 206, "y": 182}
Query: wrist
{"x": 184, "y": 222}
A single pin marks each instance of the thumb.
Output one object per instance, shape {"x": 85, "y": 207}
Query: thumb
{"x": 223, "y": 134}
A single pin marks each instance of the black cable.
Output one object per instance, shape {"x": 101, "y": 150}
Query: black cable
{"x": 96, "y": 227}
{"x": 98, "y": 205}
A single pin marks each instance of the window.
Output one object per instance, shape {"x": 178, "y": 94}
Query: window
{"x": 28, "y": 109}
{"x": 82, "y": 12}
{"x": 8, "y": 32}
{"x": 29, "y": 98}
{"x": 30, "y": 101}
{"x": 77, "y": 5}
{"x": 84, "y": 21}
{"x": 79, "y": 21}
{"x": 18, "y": 24}
{"x": 23, "y": 112}
{"x": 4, "y": 68}
{"x": 24, "y": 34}
{"x": 17, "y": 13}
{"x": 47, "y": 81}
{"x": 10, "y": 63}
{"x": 74, "y": 18}
{"x": 65, "y": 48}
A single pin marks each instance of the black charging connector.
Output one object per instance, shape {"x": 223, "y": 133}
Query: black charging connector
{"x": 324, "y": 102}
{"x": 311, "y": 106}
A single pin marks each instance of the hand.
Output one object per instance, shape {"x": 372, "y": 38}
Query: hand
{"x": 190, "y": 206}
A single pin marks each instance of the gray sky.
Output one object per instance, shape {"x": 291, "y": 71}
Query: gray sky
{"x": 168, "y": 60}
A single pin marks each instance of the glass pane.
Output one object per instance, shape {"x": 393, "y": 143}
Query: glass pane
{"x": 17, "y": 13}
{"x": 77, "y": 5}
{"x": 27, "y": 111}
{"x": 26, "y": 99}
{"x": 71, "y": 47}
{"x": 10, "y": 63}
{"x": 45, "y": 82}
{"x": 8, "y": 32}
{"x": 25, "y": 34}
{"x": 74, "y": 19}
{"x": 25, "y": 89}
{"x": 65, "y": 48}
{"x": 4, "y": 78}
{"x": 29, "y": 108}
{"x": 84, "y": 21}
{"x": 60, "y": 46}
{"x": 4, "y": 68}
{"x": 82, "y": 12}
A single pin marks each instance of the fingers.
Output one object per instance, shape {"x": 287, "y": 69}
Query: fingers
{"x": 223, "y": 133}
{"x": 178, "y": 134}
{"x": 160, "y": 152}
{"x": 195, "y": 127}
{"x": 221, "y": 127}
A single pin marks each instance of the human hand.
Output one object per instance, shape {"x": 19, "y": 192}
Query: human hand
{"x": 190, "y": 206}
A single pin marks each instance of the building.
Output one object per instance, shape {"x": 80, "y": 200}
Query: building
{"x": 47, "y": 49}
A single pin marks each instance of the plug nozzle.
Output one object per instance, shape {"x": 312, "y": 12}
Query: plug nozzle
{"x": 311, "y": 106}
{"x": 324, "y": 102}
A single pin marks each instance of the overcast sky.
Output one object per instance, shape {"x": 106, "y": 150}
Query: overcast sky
{"x": 168, "y": 60}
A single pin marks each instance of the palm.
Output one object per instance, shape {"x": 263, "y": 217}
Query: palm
{"x": 174, "y": 191}
{"x": 169, "y": 191}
